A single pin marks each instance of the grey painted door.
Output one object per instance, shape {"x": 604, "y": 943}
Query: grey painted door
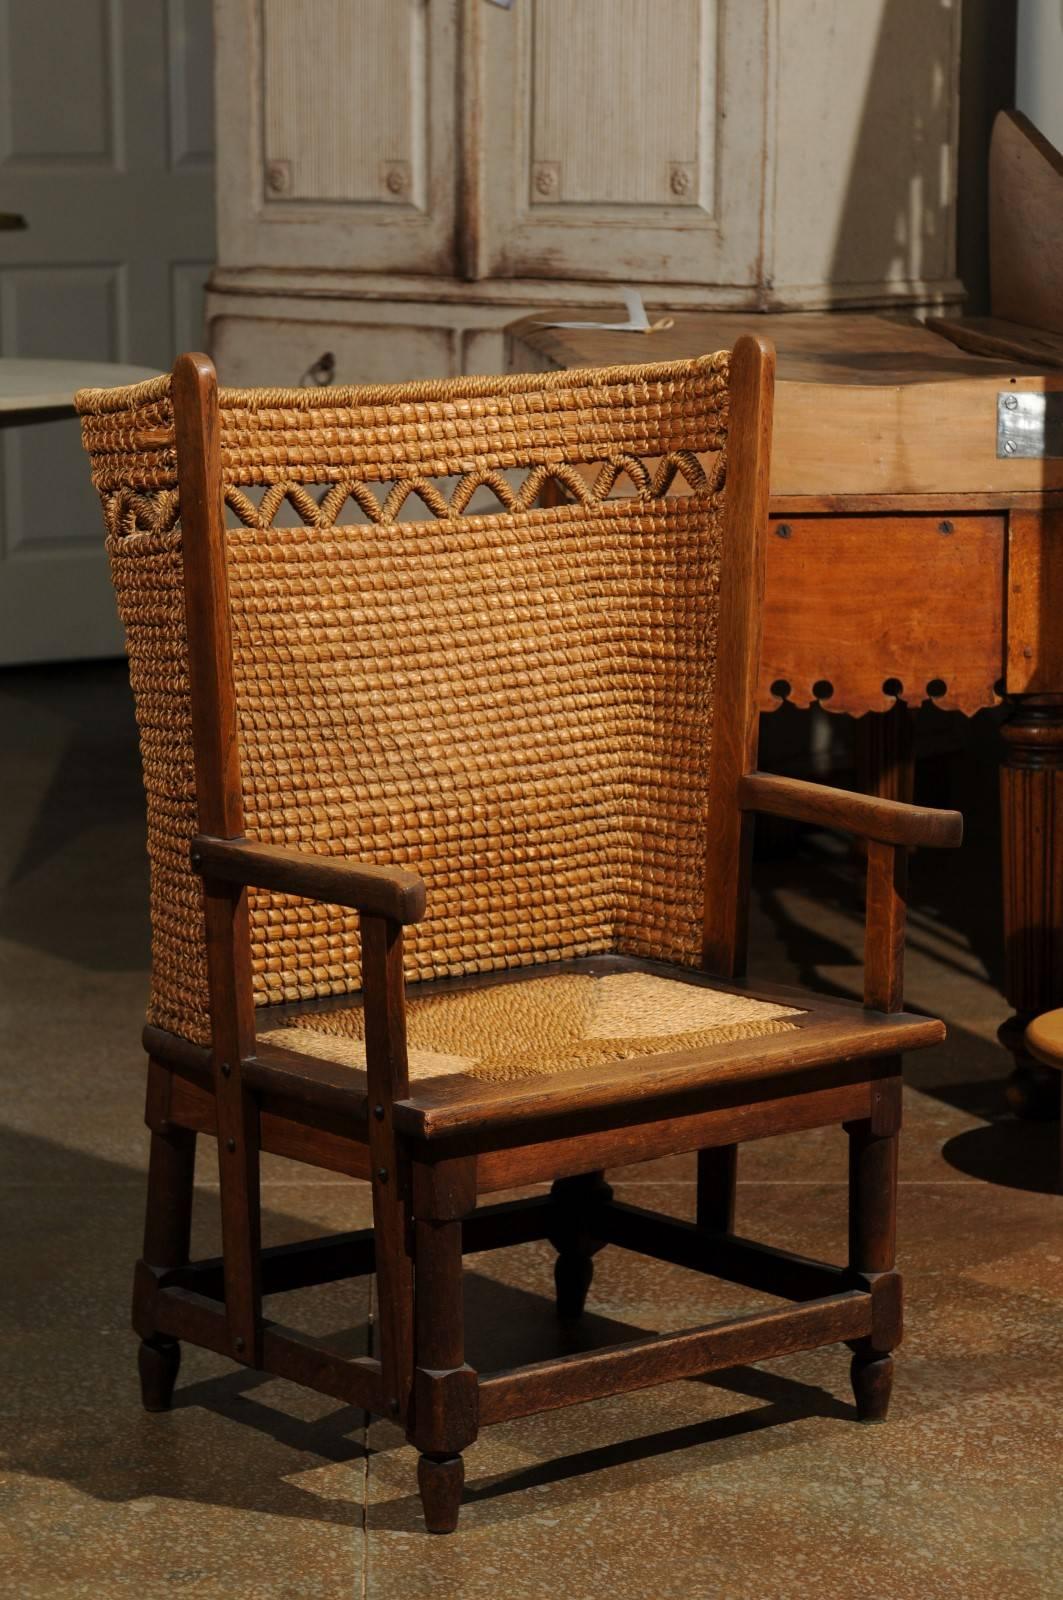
{"x": 106, "y": 148}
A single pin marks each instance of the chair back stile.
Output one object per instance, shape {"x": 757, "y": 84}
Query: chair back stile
{"x": 219, "y": 801}
{"x": 219, "y": 805}
{"x": 736, "y": 723}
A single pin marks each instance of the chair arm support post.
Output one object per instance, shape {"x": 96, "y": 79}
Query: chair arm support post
{"x": 387, "y": 1071}
{"x": 389, "y": 892}
{"x": 890, "y": 828}
{"x": 887, "y": 889}
{"x": 890, "y": 822}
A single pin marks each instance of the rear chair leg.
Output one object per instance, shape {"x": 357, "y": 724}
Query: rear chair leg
{"x": 717, "y": 1177}
{"x": 158, "y": 1362}
{"x": 167, "y": 1234}
{"x": 872, "y": 1246}
{"x": 872, "y": 1380}
{"x": 572, "y": 1236}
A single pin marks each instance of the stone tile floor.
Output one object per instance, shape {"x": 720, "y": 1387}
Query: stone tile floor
{"x": 755, "y": 1483}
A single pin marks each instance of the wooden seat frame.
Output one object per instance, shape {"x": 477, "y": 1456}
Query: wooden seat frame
{"x": 430, "y": 1150}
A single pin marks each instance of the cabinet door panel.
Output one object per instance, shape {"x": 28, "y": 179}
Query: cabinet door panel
{"x": 585, "y": 144}
{"x": 622, "y": 140}
{"x": 350, "y": 159}
{"x": 344, "y": 123}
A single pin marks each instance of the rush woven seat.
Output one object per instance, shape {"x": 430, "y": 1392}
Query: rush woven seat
{"x": 447, "y": 707}
{"x": 546, "y": 1025}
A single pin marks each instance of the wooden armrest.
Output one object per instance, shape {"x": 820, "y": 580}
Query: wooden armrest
{"x": 886, "y": 821}
{"x": 334, "y": 880}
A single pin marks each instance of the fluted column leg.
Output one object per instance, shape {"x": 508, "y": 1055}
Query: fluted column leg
{"x": 1031, "y": 814}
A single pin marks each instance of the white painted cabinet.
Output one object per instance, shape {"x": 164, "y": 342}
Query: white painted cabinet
{"x": 420, "y": 172}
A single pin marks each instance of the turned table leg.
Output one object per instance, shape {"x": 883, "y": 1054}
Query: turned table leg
{"x": 885, "y": 753}
{"x": 1031, "y": 807}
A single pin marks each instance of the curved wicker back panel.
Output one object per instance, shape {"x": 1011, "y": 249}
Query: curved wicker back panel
{"x": 517, "y": 704}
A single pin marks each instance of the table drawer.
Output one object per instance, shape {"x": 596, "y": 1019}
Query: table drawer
{"x": 861, "y": 611}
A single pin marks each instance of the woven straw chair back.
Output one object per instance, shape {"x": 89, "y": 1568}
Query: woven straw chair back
{"x": 515, "y": 701}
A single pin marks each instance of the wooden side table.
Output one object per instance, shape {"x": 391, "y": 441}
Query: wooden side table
{"x": 39, "y": 391}
{"x": 56, "y": 600}
{"x": 911, "y": 557}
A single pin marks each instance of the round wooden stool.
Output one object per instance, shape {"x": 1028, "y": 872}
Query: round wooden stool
{"x": 1044, "y": 1041}
{"x": 1044, "y": 1038}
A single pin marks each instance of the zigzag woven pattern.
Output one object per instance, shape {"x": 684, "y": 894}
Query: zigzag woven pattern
{"x": 517, "y": 705}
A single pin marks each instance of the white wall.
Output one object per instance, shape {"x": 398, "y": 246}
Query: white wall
{"x": 1039, "y": 67}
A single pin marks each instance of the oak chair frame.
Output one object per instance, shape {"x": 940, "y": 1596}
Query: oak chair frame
{"x": 429, "y": 1160}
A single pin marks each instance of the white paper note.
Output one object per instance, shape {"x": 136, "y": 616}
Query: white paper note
{"x": 637, "y": 320}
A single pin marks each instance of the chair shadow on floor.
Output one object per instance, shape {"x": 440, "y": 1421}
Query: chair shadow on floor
{"x": 513, "y": 1325}
{"x": 495, "y": 1309}
{"x": 655, "y": 1456}
{"x": 509, "y": 1325}
{"x": 786, "y": 1400}
{"x": 245, "y": 1441}
{"x": 72, "y": 1232}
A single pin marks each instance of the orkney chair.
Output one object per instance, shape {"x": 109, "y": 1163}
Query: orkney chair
{"x": 449, "y": 821}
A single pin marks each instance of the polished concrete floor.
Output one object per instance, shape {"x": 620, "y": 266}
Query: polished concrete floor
{"x": 756, "y": 1483}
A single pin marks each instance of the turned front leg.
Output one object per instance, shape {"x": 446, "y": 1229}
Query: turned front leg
{"x": 872, "y": 1244}
{"x": 444, "y": 1413}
